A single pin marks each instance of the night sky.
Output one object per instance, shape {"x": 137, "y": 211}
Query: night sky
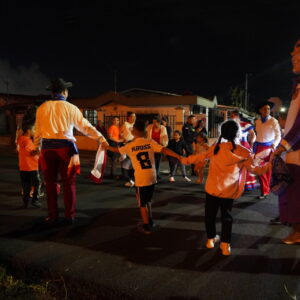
{"x": 169, "y": 45}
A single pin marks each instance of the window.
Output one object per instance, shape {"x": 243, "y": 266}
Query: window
{"x": 91, "y": 116}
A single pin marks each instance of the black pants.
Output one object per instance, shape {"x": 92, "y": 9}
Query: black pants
{"x": 189, "y": 151}
{"x": 174, "y": 163}
{"x": 212, "y": 205}
{"x": 29, "y": 179}
{"x": 113, "y": 157}
{"x": 157, "y": 158}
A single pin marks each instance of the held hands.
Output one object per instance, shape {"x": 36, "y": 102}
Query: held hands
{"x": 105, "y": 145}
{"x": 279, "y": 151}
{"x": 35, "y": 152}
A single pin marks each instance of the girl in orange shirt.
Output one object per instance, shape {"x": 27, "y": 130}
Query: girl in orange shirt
{"x": 228, "y": 166}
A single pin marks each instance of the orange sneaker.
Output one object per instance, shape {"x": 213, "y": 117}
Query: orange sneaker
{"x": 210, "y": 243}
{"x": 225, "y": 248}
{"x": 293, "y": 238}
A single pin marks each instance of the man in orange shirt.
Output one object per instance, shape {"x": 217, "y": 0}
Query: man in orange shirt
{"x": 114, "y": 140}
{"x": 28, "y": 165}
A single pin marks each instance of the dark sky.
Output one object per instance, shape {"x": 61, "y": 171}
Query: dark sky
{"x": 169, "y": 45}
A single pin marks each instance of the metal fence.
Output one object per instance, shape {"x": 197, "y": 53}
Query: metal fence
{"x": 215, "y": 118}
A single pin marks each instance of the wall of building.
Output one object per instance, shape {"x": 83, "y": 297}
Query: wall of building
{"x": 179, "y": 113}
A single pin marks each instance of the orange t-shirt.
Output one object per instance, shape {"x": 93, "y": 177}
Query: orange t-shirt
{"x": 27, "y": 162}
{"x": 114, "y": 132}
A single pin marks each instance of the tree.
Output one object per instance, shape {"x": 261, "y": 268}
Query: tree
{"x": 236, "y": 96}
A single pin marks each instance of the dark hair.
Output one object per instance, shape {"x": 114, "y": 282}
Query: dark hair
{"x": 26, "y": 126}
{"x": 157, "y": 118}
{"x": 129, "y": 113}
{"x": 191, "y": 116}
{"x": 30, "y": 114}
{"x": 164, "y": 118}
{"x": 229, "y": 130}
{"x": 140, "y": 126}
{"x": 203, "y": 135}
{"x": 178, "y": 132}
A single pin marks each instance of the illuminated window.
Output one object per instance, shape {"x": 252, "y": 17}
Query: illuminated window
{"x": 91, "y": 116}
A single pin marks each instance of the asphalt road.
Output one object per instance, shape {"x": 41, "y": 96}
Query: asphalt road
{"x": 104, "y": 256}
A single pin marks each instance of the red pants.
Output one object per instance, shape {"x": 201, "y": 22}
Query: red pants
{"x": 264, "y": 180}
{"x": 54, "y": 162}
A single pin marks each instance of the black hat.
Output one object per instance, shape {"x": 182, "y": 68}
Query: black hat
{"x": 58, "y": 85}
{"x": 262, "y": 104}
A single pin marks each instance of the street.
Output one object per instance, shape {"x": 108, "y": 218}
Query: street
{"x": 103, "y": 253}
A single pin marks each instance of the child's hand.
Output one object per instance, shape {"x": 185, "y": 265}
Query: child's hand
{"x": 35, "y": 152}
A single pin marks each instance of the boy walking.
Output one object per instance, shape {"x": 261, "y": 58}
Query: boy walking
{"x": 141, "y": 153}
{"x": 177, "y": 144}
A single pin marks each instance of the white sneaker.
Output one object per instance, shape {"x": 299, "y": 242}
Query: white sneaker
{"x": 210, "y": 243}
{"x": 225, "y": 248}
{"x": 186, "y": 179}
{"x": 129, "y": 183}
{"x": 172, "y": 179}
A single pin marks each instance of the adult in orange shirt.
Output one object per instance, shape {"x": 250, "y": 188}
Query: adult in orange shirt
{"x": 114, "y": 140}
{"x": 28, "y": 165}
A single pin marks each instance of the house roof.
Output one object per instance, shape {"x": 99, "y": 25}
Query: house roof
{"x": 12, "y": 100}
{"x": 137, "y": 92}
{"x": 129, "y": 98}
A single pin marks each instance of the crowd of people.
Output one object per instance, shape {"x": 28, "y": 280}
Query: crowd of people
{"x": 242, "y": 151}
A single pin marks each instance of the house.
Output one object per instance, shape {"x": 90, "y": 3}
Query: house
{"x": 12, "y": 108}
{"x": 146, "y": 104}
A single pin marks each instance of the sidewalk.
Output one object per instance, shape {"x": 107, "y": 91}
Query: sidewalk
{"x": 104, "y": 257}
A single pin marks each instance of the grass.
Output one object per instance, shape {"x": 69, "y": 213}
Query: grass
{"x": 12, "y": 288}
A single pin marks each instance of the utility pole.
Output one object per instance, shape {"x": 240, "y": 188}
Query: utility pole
{"x": 115, "y": 81}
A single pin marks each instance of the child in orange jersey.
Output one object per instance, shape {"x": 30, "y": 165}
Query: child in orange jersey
{"x": 28, "y": 165}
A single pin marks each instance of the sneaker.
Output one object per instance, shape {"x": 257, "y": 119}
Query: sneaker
{"x": 293, "y": 238}
{"x": 129, "y": 183}
{"x": 36, "y": 203}
{"x": 185, "y": 178}
{"x": 275, "y": 221}
{"x": 262, "y": 197}
{"x": 172, "y": 179}
{"x": 147, "y": 229}
{"x": 225, "y": 248}
{"x": 210, "y": 243}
